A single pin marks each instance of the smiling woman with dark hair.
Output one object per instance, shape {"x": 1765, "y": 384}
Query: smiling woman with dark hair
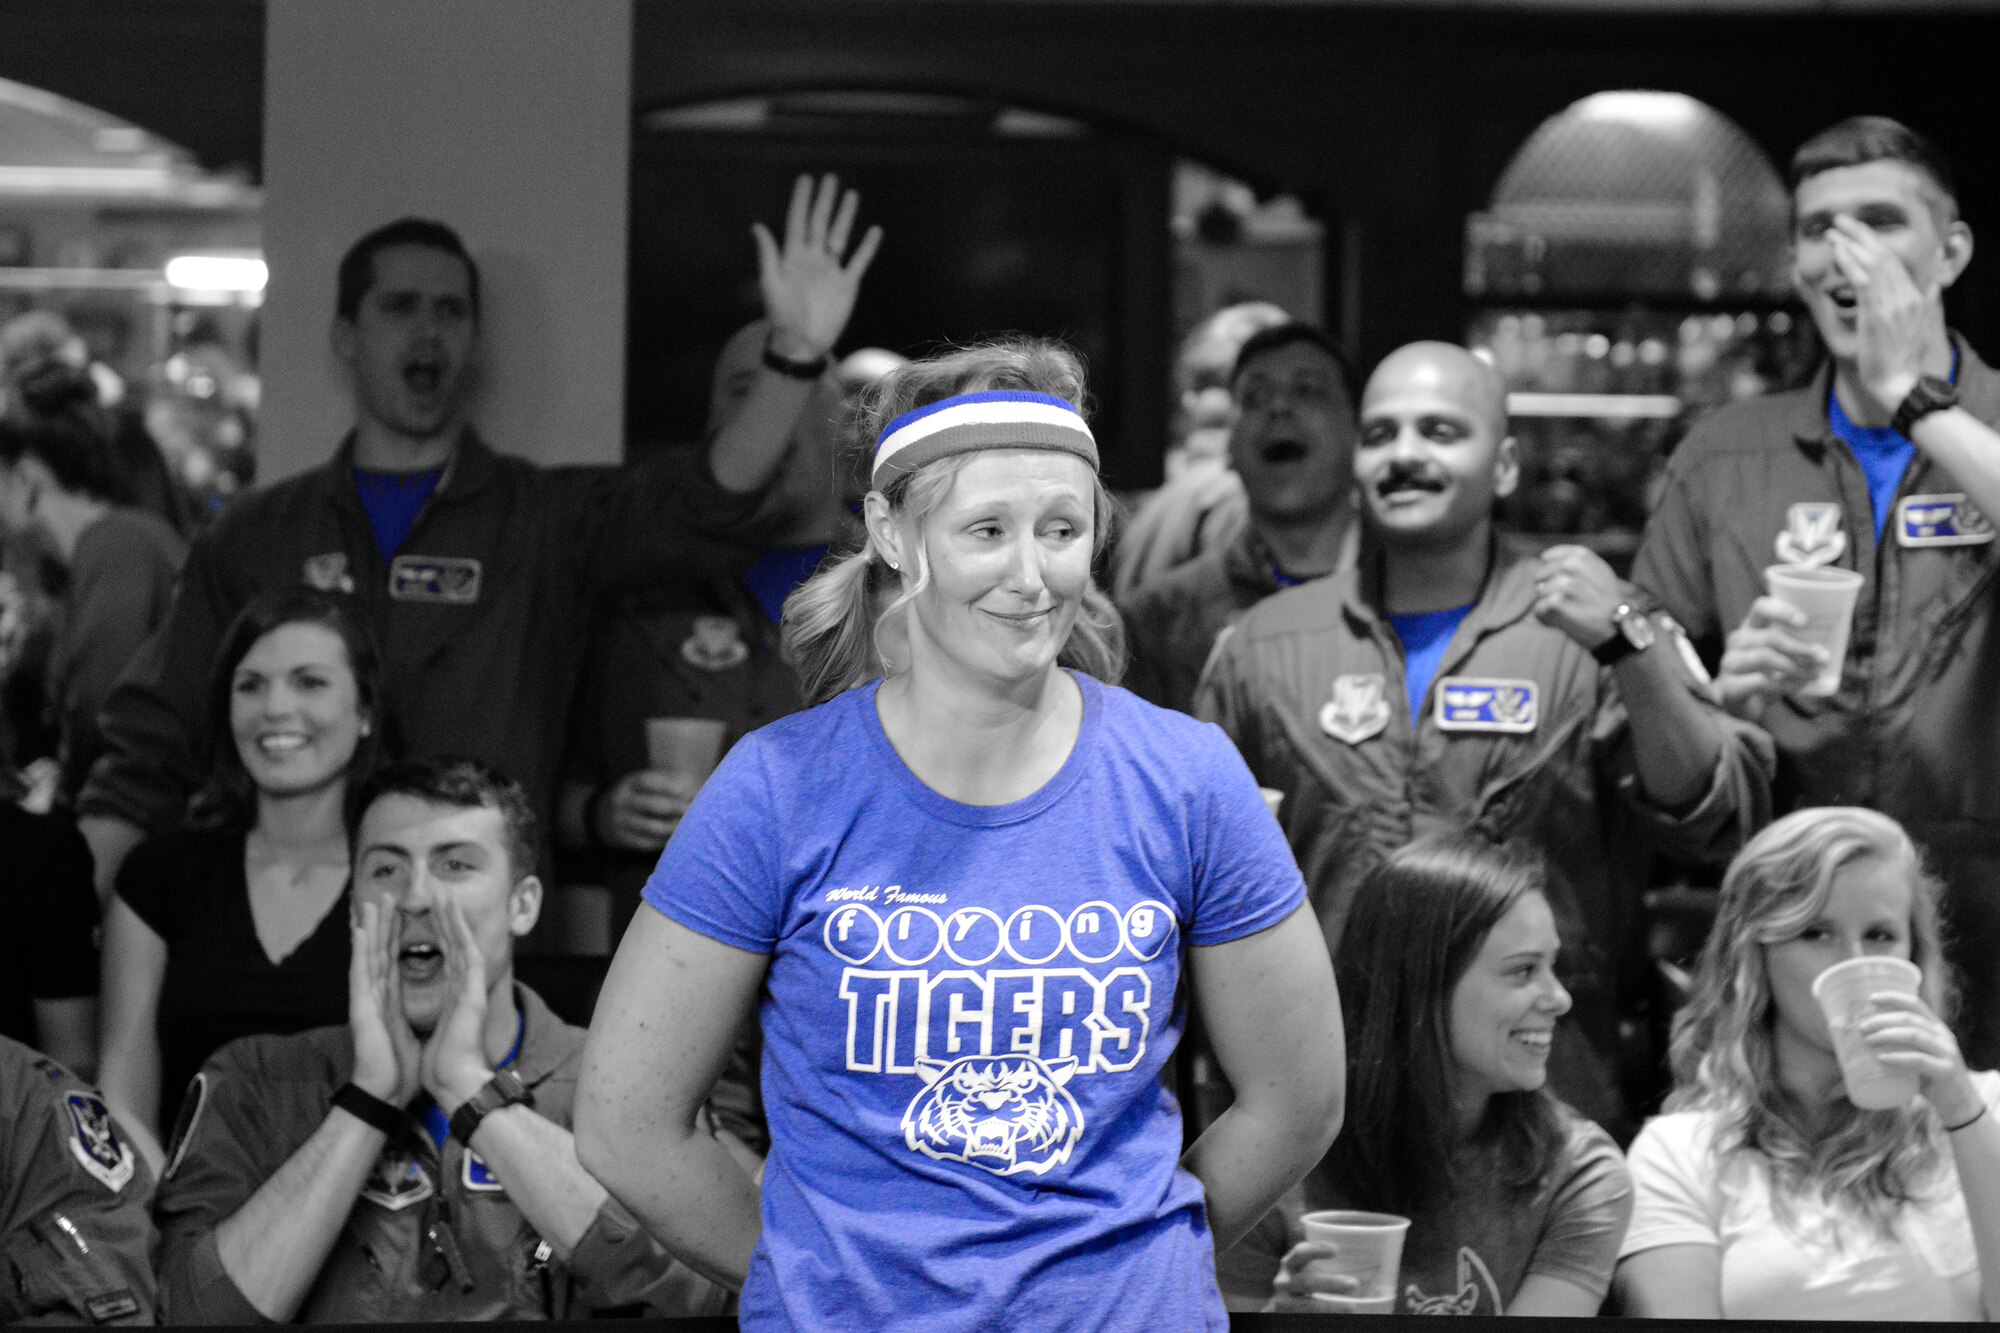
{"x": 235, "y": 925}
{"x": 1449, "y": 992}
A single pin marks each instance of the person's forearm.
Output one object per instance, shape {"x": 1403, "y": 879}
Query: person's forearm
{"x": 129, "y": 1077}
{"x": 1676, "y": 742}
{"x": 1967, "y": 448}
{"x": 275, "y": 1244}
{"x": 1976, "y": 1149}
{"x": 688, "y": 1191}
{"x": 110, "y": 840}
{"x": 745, "y": 453}
{"x": 535, "y": 1158}
{"x": 1250, "y": 1156}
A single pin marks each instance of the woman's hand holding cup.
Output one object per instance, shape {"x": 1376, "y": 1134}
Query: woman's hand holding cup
{"x": 1307, "y": 1273}
{"x": 1905, "y": 1035}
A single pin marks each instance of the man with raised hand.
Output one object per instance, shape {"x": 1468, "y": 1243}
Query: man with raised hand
{"x": 1449, "y": 680}
{"x": 477, "y": 572}
{"x": 1887, "y": 464}
{"x": 415, "y": 1165}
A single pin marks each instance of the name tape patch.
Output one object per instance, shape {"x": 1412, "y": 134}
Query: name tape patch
{"x": 450, "y": 579}
{"x": 1475, "y": 703}
{"x": 1941, "y": 520}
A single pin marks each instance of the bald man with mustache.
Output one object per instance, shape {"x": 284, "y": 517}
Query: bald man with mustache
{"x": 1455, "y": 679}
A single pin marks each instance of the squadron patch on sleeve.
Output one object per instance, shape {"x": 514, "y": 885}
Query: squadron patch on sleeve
{"x": 94, "y": 1143}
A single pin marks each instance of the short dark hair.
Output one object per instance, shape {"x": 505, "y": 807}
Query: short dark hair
{"x": 357, "y": 266}
{"x": 58, "y": 423}
{"x": 1415, "y": 927}
{"x": 230, "y": 797}
{"x": 1276, "y": 336}
{"x": 469, "y": 784}
{"x": 1861, "y": 139}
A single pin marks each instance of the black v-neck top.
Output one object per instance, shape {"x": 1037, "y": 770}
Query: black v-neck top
{"x": 192, "y": 889}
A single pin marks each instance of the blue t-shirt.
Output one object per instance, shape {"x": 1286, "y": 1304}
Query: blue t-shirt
{"x": 968, "y": 1012}
{"x": 1425, "y": 636}
{"x": 392, "y": 501}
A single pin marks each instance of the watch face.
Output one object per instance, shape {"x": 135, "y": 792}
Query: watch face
{"x": 1637, "y": 629}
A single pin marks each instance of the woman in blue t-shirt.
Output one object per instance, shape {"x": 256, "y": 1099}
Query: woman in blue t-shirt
{"x": 963, "y": 888}
{"x": 1516, "y": 1203}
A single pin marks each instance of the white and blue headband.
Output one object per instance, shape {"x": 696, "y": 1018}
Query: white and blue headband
{"x": 993, "y": 419}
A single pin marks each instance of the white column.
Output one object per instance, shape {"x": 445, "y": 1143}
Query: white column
{"x": 508, "y": 119}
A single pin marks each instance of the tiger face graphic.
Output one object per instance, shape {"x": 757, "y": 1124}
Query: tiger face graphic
{"x": 1009, "y": 1114}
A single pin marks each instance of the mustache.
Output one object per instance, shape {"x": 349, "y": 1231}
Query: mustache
{"x": 1401, "y": 474}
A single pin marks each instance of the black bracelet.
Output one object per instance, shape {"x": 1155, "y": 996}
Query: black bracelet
{"x": 371, "y": 1110}
{"x": 795, "y": 370}
{"x": 1977, "y": 1116}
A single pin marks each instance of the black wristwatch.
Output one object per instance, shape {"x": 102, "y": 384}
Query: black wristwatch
{"x": 795, "y": 370}
{"x": 1931, "y": 394}
{"x": 505, "y": 1088}
{"x": 1632, "y": 632}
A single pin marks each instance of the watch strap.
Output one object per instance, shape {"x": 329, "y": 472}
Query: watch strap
{"x": 505, "y": 1088}
{"x": 1930, "y": 394}
{"x": 796, "y": 370}
{"x": 371, "y": 1110}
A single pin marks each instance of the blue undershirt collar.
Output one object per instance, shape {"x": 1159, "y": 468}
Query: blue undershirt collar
{"x": 1425, "y": 636}
{"x": 1884, "y": 454}
{"x": 392, "y": 501}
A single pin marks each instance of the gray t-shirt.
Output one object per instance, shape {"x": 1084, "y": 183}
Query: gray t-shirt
{"x": 1471, "y": 1257}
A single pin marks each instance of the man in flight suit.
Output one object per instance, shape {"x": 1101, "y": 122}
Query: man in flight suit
{"x": 415, "y": 1165}
{"x": 477, "y": 572}
{"x": 76, "y": 1240}
{"x": 1450, "y": 680}
{"x": 1887, "y": 464}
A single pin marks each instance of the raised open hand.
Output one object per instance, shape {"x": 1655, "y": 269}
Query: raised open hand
{"x": 808, "y": 289}
{"x": 1897, "y": 323}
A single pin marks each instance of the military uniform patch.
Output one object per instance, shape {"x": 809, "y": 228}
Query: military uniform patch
{"x": 450, "y": 579}
{"x": 1472, "y": 703}
{"x": 1359, "y": 708}
{"x": 716, "y": 644}
{"x": 396, "y": 1181}
{"x": 1941, "y": 520}
{"x": 1812, "y": 535}
{"x": 328, "y": 572}
{"x": 476, "y": 1175}
{"x": 94, "y": 1143}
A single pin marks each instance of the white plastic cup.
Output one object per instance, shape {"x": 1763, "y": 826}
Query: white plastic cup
{"x": 1844, "y": 993}
{"x": 1827, "y": 597}
{"x": 686, "y": 747}
{"x": 1369, "y": 1249}
{"x": 1273, "y": 798}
